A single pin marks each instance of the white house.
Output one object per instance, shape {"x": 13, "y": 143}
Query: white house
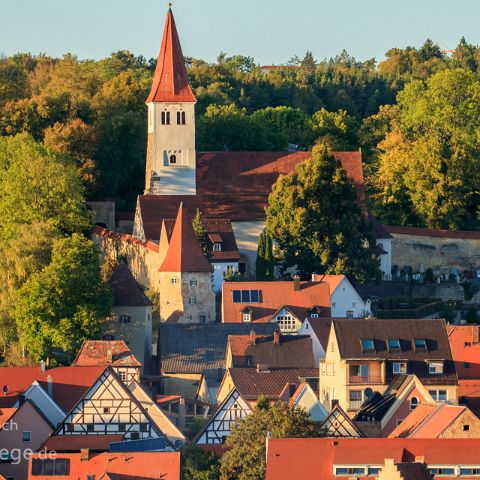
{"x": 318, "y": 329}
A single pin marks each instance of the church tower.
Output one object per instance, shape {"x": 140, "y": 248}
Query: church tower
{"x": 171, "y": 157}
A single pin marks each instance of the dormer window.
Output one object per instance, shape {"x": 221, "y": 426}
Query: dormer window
{"x": 314, "y": 315}
{"x": 399, "y": 367}
{"x": 368, "y": 346}
{"x": 246, "y": 317}
{"x": 394, "y": 345}
{"x": 420, "y": 345}
{"x": 435, "y": 368}
{"x": 217, "y": 247}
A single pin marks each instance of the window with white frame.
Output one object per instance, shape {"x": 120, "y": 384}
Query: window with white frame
{"x": 435, "y": 368}
{"x": 192, "y": 300}
{"x": 442, "y": 470}
{"x": 399, "y": 367}
{"x": 193, "y": 282}
{"x": 247, "y": 317}
{"x": 349, "y": 470}
{"x": 413, "y": 403}
{"x": 173, "y": 280}
{"x": 217, "y": 247}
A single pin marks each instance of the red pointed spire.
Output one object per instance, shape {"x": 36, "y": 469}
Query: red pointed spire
{"x": 184, "y": 252}
{"x": 170, "y": 82}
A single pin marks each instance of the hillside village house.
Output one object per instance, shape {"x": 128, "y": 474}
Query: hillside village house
{"x": 286, "y": 303}
{"x": 339, "y": 424}
{"x": 364, "y": 355}
{"x": 372, "y": 458}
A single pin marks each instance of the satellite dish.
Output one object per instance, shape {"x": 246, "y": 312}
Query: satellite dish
{"x": 368, "y": 393}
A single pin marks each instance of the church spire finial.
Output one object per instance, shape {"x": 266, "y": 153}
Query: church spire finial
{"x": 169, "y": 5}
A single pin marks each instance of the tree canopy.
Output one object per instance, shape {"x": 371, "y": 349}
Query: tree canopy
{"x": 313, "y": 216}
{"x": 246, "y": 458}
{"x": 61, "y": 305}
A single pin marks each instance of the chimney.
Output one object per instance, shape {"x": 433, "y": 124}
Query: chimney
{"x": 84, "y": 454}
{"x": 253, "y": 337}
{"x": 419, "y": 459}
{"x": 109, "y": 356}
{"x": 334, "y": 402}
{"x": 50, "y": 386}
{"x": 5, "y": 390}
{"x": 315, "y": 277}
{"x": 296, "y": 283}
{"x": 276, "y": 337}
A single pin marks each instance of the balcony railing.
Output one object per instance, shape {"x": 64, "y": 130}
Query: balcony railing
{"x": 362, "y": 380}
{"x": 354, "y": 404}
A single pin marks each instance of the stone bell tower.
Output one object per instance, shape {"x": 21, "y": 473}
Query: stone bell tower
{"x": 171, "y": 156}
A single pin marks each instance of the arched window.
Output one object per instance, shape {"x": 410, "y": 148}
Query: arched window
{"x": 173, "y": 159}
{"x": 413, "y": 403}
{"x": 183, "y": 118}
{"x": 163, "y": 118}
{"x": 168, "y": 118}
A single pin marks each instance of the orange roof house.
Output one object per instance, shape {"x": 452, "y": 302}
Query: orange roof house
{"x": 364, "y": 458}
{"x": 113, "y": 466}
{"x": 170, "y": 81}
{"x": 285, "y": 302}
{"x": 438, "y": 421}
{"x": 103, "y": 352}
{"x": 465, "y": 345}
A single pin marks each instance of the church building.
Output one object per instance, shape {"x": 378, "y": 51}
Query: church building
{"x": 232, "y": 186}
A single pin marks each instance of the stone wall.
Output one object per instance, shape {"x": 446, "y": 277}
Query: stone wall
{"x": 439, "y": 250}
{"x": 104, "y": 213}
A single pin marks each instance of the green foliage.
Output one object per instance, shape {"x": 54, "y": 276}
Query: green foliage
{"x": 429, "y": 276}
{"x": 313, "y": 216}
{"x": 429, "y": 163}
{"x": 38, "y": 186}
{"x": 201, "y": 232}
{"x": 61, "y": 305}
{"x": 232, "y": 275}
{"x": 246, "y": 458}
{"x": 198, "y": 465}
{"x": 265, "y": 263}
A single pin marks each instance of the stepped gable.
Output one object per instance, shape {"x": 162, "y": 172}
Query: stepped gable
{"x": 170, "y": 81}
{"x": 184, "y": 252}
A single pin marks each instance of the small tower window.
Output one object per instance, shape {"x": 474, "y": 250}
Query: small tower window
{"x": 183, "y": 118}
{"x": 179, "y": 118}
{"x": 168, "y": 118}
{"x": 173, "y": 159}
{"x": 164, "y": 116}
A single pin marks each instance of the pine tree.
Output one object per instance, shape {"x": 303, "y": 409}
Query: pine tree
{"x": 199, "y": 228}
{"x": 261, "y": 267}
{"x": 268, "y": 258}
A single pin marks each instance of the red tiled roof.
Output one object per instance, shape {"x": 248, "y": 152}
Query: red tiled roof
{"x": 170, "y": 81}
{"x": 184, "y": 252}
{"x": 292, "y": 351}
{"x": 74, "y": 443}
{"x": 465, "y": 345}
{"x": 126, "y": 291}
{"x": 236, "y": 185}
{"x": 321, "y": 326}
{"x": 251, "y": 383}
{"x": 319, "y": 455}
{"x": 119, "y": 466}
{"x": 5, "y": 415}
{"x": 122, "y": 237}
{"x": 69, "y": 383}
{"x": 430, "y": 232}
{"x": 95, "y": 353}
{"x": 427, "y": 421}
{"x": 469, "y": 393}
{"x": 217, "y": 228}
{"x": 273, "y": 296}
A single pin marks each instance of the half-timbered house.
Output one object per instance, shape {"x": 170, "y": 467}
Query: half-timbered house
{"x": 339, "y": 424}
{"x": 232, "y": 409}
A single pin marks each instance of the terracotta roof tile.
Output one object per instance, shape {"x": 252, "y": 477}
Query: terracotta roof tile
{"x": 74, "y": 443}
{"x": 251, "y": 384}
{"x": 170, "y": 81}
{"x": 120, "y": 466}
{"x": 236, "y": 185}
{"x": 465, "y": 345}
{"x": 5, "y": 415}
{"x": 126, "y": 291}
{"x": 184, "y": 252}
{"x": 469, "y": 394}
{"x": 319, "y": 455}
{"x": 427, "y": 421}
{"x": 292, "y": 351}
{"x": 95, "y": 353}
{"x": 429, "y": 232}
{"x": 273, "y": 296}
{"x": 69, "y": 383}
{"x": 122, "y": 237}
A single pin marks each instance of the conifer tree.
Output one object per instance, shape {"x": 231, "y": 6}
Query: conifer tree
{"x": 199, "y": 228}
{"x": 269, "y": 260}
{"x": 260, "y": 265}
